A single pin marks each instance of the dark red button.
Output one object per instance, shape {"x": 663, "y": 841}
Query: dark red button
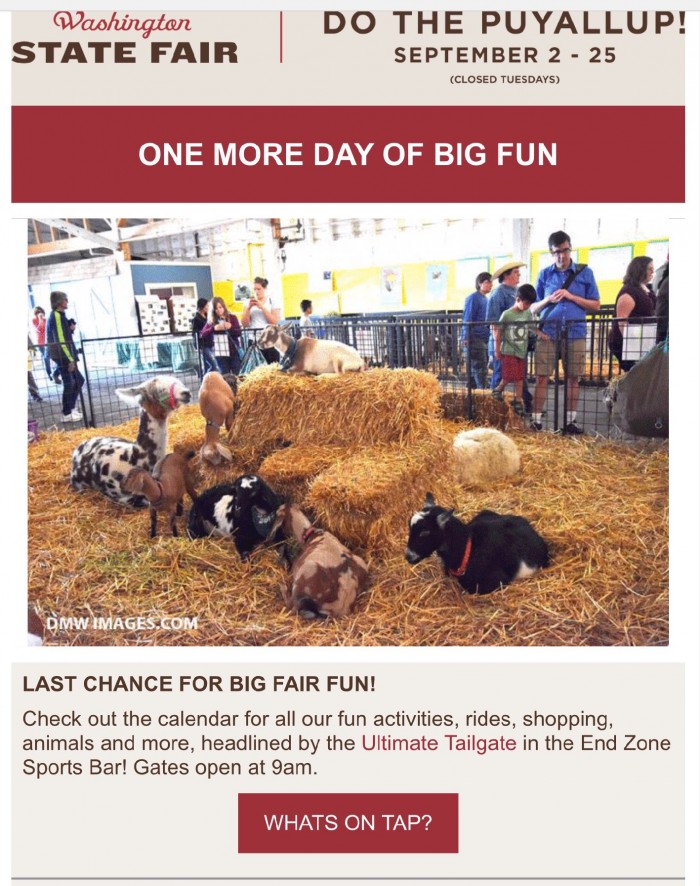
{"x": 348, "y": 823}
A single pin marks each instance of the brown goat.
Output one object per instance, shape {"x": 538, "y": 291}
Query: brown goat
{"x": 166, "y": 488}
{"x": 217, "y": 399}
{"x": 326, "y": 577}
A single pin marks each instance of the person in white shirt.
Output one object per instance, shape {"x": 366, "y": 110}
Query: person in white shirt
{"x": 261, "y": 311}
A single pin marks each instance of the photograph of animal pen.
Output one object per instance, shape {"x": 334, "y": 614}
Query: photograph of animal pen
{"x": 384, "y": 500}
{"x": 357, "y": 453}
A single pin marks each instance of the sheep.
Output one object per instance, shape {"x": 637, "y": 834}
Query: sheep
{"x": 165, "y": 489}
{"x": 490, "y": 551}
{"x": 326, "y": 577}
{"x": 484, "y": 455}
{"x": 102, "y": 463}
{"x": 312, "y": 355}
{"x": 217, "y": 399}
{"x": 241, "y": 510}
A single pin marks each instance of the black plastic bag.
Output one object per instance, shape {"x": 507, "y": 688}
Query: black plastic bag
{"x": 639, "y": 400}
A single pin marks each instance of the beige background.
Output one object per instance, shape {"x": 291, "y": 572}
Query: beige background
{"x": 346, "y": 69}
{"x": 521, "y": 814}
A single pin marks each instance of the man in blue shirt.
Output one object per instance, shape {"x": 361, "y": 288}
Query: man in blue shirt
{"x": 475, "y": 332}
{"x": 562, "y": 313}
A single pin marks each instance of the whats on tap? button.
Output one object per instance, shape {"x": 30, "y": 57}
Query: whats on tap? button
{"x": 318, "y": 823}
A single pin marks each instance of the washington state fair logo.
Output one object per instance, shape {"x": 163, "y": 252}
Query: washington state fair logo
{"x": 79, "y": 21}
{"x": 82, "y": 47}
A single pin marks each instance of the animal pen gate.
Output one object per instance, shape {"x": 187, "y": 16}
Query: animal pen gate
{"x": 432, "y": 343}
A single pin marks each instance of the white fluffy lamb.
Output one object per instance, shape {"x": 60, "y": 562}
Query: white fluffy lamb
{"x": 484, "y": 455}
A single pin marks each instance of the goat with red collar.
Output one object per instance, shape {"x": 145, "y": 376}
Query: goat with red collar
{"x": 326, "y": 577}
{"x": 490, "y": 551}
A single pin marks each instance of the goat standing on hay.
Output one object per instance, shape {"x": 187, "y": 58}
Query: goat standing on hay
{"x": 313, "y": 355}
{"x": 166, "y": 488}
{"x": 102, "y": 463}
{"x": 217, "y": 399}
{"x": 490, "y": 551}
{"x": 241, "y": 510}
{"x": 326, "y": 577}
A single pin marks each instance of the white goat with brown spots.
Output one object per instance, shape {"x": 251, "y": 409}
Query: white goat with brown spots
{"x": 326, "y": 577}
{"x": 217, "y": 399}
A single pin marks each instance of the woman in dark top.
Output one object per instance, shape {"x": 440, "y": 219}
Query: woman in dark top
{"x": 635, "y": 300}
{"x": 227, "y": 335}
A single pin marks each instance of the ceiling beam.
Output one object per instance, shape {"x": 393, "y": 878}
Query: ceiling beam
{"x": 100, "y": 240}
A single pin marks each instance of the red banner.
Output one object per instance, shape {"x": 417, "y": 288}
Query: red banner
{"x": 318, "y": 823}
{"x": 348, "y": 154}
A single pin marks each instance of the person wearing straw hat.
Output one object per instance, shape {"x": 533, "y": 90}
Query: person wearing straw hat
{"x": 502, "y": 299}
{"x": 568, "y": 292}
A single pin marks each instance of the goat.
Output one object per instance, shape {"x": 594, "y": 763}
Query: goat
{"x": 35, "y": 628}
{"x": 312, "y": 355}
{"x": 490, "y": 551}
{"x": 166, "y": 488}
{"x": 102, "y": 463}
{"x": 326, "y": 577}
{"x": 241, "y": 510}
{"x": 217, "y": 399}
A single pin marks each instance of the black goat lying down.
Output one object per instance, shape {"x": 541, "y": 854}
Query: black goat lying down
{"x": 490, "y": 551}
{"x": 243, "y": 510}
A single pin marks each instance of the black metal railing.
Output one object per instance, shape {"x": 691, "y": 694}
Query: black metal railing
{"x": 436, "y": 343}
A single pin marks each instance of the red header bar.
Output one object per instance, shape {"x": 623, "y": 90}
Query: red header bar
{"x": 494, "y": 154}
{"x": 352, "y": 823}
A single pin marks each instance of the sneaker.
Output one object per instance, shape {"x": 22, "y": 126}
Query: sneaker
{"x": 518, "y": 407}
{"x": 76, "y": 415}
{"x": 535, "y": 425}
{"x": 497, "y": 395}
{"x": 56, "y": 377}
{"x": 67, "y": 418}
{"x": 572, "y": 428}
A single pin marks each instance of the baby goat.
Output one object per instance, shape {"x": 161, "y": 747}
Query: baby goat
{"x": 166, "y": 488}
{"x": 490, "y": 551}
{"x": 242, "y": 510}
{"x": 217, "y": 399}
{"x": 313, "y": 355}
{"x": 326, "y": 577}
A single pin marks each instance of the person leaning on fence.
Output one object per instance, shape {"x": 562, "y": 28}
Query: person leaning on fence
{"x": 205, "y": 343}
{"x": 475, "y": 332}
{"x": 565, "y": 294}
{"x": 512, "y": 338}
{"x": 635, "y": 300}
{"x": 62, "y": 351}
{"x": 226, "y": 332}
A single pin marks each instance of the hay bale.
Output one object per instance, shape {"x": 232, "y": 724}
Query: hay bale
{"x": 354, "y": 409}
{"x": 290, "y": 471}
{"x": 484, "y": 455}
{"x": 484, "y": 408}
{"x": 367, "y": 498}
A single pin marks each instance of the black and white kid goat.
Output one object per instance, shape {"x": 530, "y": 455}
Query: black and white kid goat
{"x": 490, "y": 551}
{"x": 243, "y": 510}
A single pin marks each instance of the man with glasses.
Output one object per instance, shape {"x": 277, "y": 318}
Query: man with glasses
{"x": 59, "y": 338}
{"x": 565, "y": 294}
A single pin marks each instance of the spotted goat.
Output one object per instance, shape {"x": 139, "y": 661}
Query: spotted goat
{"x": 102, "y": 463}
{"x": 325, "y": 577}
{"x": 490, "y": 551}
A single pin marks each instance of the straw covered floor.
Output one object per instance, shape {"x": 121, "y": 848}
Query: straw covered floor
{"x": 358, "y": 453}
